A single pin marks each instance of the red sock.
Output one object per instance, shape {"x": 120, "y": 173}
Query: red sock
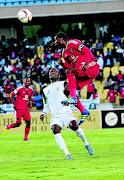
{"x": 80, "y": 105}
{"x": 27, "y": 129}
{"x": 11, "y": 126}
{"x": 72, "y": 84}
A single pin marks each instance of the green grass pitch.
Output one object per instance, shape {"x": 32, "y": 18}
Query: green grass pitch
{"x": 43, "y": 159}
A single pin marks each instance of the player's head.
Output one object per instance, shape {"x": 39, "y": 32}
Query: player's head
{"x": 60, "y": 39}
{"x": 27, "y": 82}
{"x": 54, "y": 75}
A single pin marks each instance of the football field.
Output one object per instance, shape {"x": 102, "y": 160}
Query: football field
{"x": 43, "y": 159}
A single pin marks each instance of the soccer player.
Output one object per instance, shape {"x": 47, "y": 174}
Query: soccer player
{"x": 81, "y": 67}
{"x": 20, "y": 105}
{"x": 112, "y": 94}
{"x": 61, "y": 115}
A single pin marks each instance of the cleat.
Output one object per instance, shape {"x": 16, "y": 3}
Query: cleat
{"x": 70, "y": 100}
{"x": 26, "y": 139}
{"x": 83, "y": 116}
{"x": 69, "y": 157}
{"x": 90, "y": 149}
{"x": 6, "y": 131}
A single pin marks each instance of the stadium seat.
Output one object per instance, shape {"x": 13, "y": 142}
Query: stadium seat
{"x": 38, "y": 87}
{"x": 122, "y": 69}
{"x": 31, "y": 3}
{"x": 53, "y": 1}
{"x": 38, "y": 2}
{"x": 9, "y": 4}
{"x": 106, "y": 71}
{"x": 16, "y": 4}
{"x": 23, "y": 3}
{"x": 2, "y": 4}
{"x": 114, "y": 70}
{"x": 45, "y": 2}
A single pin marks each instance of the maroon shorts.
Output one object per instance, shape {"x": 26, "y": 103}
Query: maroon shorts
{"x": 25, "y": 113}
{"x": 85, "y": 78}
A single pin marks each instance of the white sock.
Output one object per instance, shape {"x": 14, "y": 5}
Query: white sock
{"x": 60, "y": 141}
{"x": 81, "y": 134}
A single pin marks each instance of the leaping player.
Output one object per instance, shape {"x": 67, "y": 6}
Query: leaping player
{"x": 20, "y": 105}
{"x": 81, "y": 67}
{"x": 61, "y": 115}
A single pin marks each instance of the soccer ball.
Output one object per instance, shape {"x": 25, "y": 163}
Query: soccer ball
{"x": 24, "y": 15}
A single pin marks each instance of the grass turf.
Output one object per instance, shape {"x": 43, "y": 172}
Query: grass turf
{"x": 43, "y": 159}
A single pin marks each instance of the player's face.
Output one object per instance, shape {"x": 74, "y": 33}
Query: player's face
{"x": 59, "y": 42}
{"x": 27, "y": 82}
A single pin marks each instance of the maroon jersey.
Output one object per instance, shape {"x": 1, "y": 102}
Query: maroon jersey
{"x": 23, "y": 96}
{"x": 112, "y": 95}
{"x": 76, "y": 52}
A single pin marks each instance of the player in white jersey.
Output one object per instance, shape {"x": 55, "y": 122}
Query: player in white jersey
{"x": 61, "y": 115}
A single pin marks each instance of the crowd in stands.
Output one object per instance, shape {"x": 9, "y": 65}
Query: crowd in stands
{"x": 22, "y": 58}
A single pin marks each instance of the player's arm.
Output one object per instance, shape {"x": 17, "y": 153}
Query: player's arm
{"x": 30, "y": 103}
{"x": 46, "y": 109}
{"x": 64, "y": 63}
{"x": 13, "y": 98}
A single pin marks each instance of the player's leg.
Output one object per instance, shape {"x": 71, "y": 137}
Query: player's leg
{"x": 60, "y": 141}
{"x": 84, "y": 112}
{"x": 16, "y": 124}
{"x": 71, "y": 72}
{"x": 27, "y": 119}
{"x": 80, "y": 133}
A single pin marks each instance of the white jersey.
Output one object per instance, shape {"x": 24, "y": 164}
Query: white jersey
{"x": 54, "y": 95}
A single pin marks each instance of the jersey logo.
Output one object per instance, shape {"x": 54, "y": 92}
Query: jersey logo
{"x": 80, "y": 47}
{"x": 72, "y": 41}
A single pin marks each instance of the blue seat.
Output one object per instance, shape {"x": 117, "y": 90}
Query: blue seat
{"x": 16, "y": 4}
{"x": 2, "y": 4}
{"x": 23, "y": 3}
{"x": 45, "y": 2}
{"x": 9, "y": 4}
{"x": 52, "y": 2}
{"x": 38, "y": 2}
{"x": 31, "y": 3}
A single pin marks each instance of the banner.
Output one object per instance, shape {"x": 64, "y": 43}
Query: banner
{"x": 112, "y": 118}
{"x": 92, "y": 122}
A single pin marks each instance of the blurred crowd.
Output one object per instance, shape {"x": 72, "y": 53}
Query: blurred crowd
{"x": 20, "y": 59}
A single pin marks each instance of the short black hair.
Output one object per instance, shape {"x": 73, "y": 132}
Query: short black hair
{"x": 62, "y": 35}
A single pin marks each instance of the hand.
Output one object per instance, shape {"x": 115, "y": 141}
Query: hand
{"x": 85, "y": 67}
{"x": 15, "y": 107}
{"x": 30, "y": 106}
{"x": 42, "y": 116}
{"x": 60, "y": 62}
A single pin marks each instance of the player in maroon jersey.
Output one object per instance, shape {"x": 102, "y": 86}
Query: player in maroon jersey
{"x": 23, "y": 97}
{"x": 81, "y": 67}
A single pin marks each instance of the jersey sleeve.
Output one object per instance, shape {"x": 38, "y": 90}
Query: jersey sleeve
{"x": 46, "y": 108}
{"x": 16, "y": 91}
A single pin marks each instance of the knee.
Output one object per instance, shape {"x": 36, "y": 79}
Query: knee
{"x": 28, "y": 123}
{"x": 18, "y": 124}
{"x": 56, "y": 129}
{"x": 73, "y": 125}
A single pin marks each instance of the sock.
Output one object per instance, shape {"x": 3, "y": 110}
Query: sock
{"x": 27, "y": 129}
{"x": 11, "y": 126}
{"x": 72, "y": 84}
{"x": 60, "y": 141}
{"x": 82, "y": 136}
{"x": 80, "y": 105}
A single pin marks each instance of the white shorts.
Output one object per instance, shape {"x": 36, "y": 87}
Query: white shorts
{"x": 62, "y": 119}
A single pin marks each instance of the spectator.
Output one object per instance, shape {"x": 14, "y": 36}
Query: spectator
{"x": 119, "y": 76}
{"x": 7, "y": 96}
{"x": 90, "y": 89}
{"x": 112, "y": 94}
{"x": 8, "y": 86}
{"x": 38, "y": 100}
{"x": 95, "y": 98}
{"x": 122, "y": 96}
{"x": 7, "y": 68}
{"x": 117, "y": 40}
{"x": 26, "y": 72}
{"x": 2, "y": 61}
